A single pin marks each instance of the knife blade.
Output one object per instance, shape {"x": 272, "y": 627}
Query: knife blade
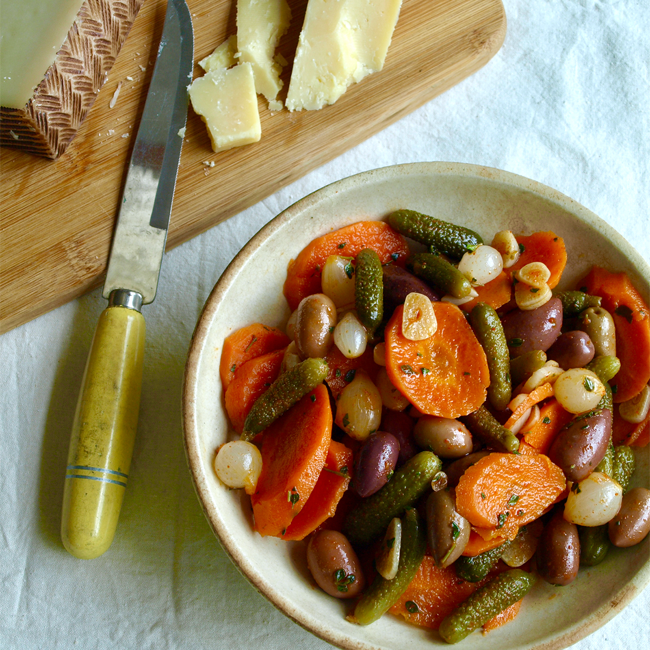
{"x": 103, "y": 432}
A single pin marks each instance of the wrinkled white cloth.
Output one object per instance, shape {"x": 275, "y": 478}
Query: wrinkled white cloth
{"x": 564, "y": 102}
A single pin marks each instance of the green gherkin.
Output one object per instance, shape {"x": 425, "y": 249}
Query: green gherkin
{"x": 369, "y": 289}
{"x": 444, "y": 237}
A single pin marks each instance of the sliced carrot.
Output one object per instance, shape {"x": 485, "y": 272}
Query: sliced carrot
{"x": 643, "y": 435}
{"x": 502, "y": 492}
{"x": 246, "y": 344}
{"x": 341, "y": 369}
{"x": 495, "y": 293}
{"x": 330, "y": 487}
{"x": 251, "y": 380}
{"x": 526, "y": 449}
{"x": 552, "y": 417}
{"x": 444, "y": 375}
{"x": 632, "y": 320}
{"x": 544, "y": 247}
{"x": 303, "y": 274}
{"x": 477, "y": 545}
{"x": 507, "y": 615}
{"x": 433, "y": 594}
{"x": 294, "y": 449}
{"x": 534, "y": 397}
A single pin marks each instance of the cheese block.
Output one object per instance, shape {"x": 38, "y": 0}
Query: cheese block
{"x": 223, "y": 57}
{"x": 227, "y": 103}
{"x": 341, "y": 42}
{"x": 260, "y": 25}
{"x": 55, "y": 55}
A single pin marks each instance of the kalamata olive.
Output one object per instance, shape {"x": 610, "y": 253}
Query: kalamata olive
{"x": 558, "y": 551}
{"x": 582, "y": 444}
{"x": 376, "y": 463}
{"x": 447, "y": 531}
{"x": 445, "y": 437}
{"x": 398, "y": 283}
{"x": 315, "y": 321}
{"x": 632, "y": 523}
{"x": 572, "y": 350}
{"x": 537, "y": 329}
{"x": 458, "y": 467}
{"x": 400, "y": 424}
{"x": 599, "y": 324}
{"x": 334, "y": 564}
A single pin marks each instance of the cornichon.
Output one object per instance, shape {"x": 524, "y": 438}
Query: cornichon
{"x": 605, "y": 367}
{"x": 383, "y": 594}
{"x": 474, "y": 569}
{"x": 445, "y": 237}
{"x": 624, "y": 466}
{"x": 525, "y": 365}
{"x": 438, "y": 272}
{"x": 369, "y": 519}
{"x": 486, "y": 603}
{"x": 488, "y": 329}
{"x": 573, "y": 302}
{"x": 369, "y": 288}
{"x": 484, "y": 425}
{"x": 283, "y": 393}
{"x": 594, "y": 544}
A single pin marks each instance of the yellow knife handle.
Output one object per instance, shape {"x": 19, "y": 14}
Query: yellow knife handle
{"x": 103, "y": 433}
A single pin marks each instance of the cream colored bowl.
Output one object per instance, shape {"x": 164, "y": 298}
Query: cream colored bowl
{"x": 250, "y": 290}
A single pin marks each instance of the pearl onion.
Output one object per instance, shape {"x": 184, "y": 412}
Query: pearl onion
{"x": 593, "y": 501}
{"x": 238, "y": 465}
{"x": 350, "y": 336}
{"x": 578, "y": 390}
{"x": 482, "y": 265}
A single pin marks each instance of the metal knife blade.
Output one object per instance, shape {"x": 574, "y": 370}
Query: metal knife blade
{"x": 143, "y": 220}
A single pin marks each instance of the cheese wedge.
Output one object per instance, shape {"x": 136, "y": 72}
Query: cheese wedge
{"x": 260, "y": 25}
{"x": 223, "y": 57}
{"x": 341, "y": 42}
{"x": 227, "y": 103}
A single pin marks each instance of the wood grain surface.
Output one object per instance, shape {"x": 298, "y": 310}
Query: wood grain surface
{"x": 57, "y": 217}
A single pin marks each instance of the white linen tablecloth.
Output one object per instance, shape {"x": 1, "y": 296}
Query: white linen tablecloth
{"x": 565, "y": 102}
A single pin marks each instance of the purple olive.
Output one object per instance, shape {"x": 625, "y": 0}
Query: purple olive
{"x": 558, "y": 551}
{"x": 458, "y": 467}
{"x": 447, "y": 532}
{"x": 376, "y": 463}
{"x": 398, "y": 283}
{"x": 572, "y": 350}
{"x": 401, "y": 426}
{"x": 582, "y": 444}
{"x": 632, "y": 523}
{"x": 536, "y": 329}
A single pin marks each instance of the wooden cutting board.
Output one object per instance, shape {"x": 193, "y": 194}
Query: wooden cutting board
{"x": 57, "y": 217}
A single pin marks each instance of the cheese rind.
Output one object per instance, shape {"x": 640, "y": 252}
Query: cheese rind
{"x": 227, "y": 103}
{"x": 260, "y": 25}
{"x": 223, "y": 57}
{"x": 341, "y": 42}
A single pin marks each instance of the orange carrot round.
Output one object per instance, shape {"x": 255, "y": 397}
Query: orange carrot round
{"x": 341, "y": 369}
{"x": 330, "y": 487}
{"x": 294, "y": 449}
{"x": 304, "y": 273}
{"x": 507, "y": 615}
{"x": 495, "y": 293}
{"x": 478, "y": 545}
{"x": 446, "y": 374}
{"x": 246, "y": 344}
{"x": 632, "y": 320}
{"x": 544, "y": 247}
{"x": 502, "y": 492}
{"x": 534, "y": 397}
{"x": 552, "y": 418}
{"x": 251, "y": 380}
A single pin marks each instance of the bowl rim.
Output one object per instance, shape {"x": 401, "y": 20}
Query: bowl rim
{"x": 591, "y": 622}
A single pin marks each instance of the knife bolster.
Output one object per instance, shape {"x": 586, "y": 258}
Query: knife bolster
{"x": 125, "y": 298}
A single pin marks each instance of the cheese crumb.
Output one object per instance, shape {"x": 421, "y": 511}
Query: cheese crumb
{"x": 181, "y": 132}
{"x": 276, "y": 106}
{"x": 116, "y": 94}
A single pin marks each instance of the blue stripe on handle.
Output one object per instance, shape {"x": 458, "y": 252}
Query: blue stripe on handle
{"x": 97, "y": 469}
{"x": 96, "y": 478}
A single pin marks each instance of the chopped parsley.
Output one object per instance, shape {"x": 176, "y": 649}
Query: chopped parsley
{"x": 233, "y": 367}
{"x": 349, "y": 270}
{"x": 589, "y": 385}
{"x": 346, "y": 420}
{"x": 342, "y": 580}
{"x": 467, "y": 374}
{"x": 313, "y": 398}
{"x": 546, "y": 420}
{"x": 513, "y": 499}
{"x": 338, "y": 372}
{"x": 343, "y": 472}
{"x": 390, "y": 542}
{"x": 470, "y": 248}
{"x": 411, "y": 607}
{"x": 576, "y": 488}
{"x": 483, "y": 495}
{"x": 292, "y": 496}
{"x": 455, "y": 531}
{"x": 406, "y": 369}
{"x": 424, "y": 371}
{"x": 394, "y": 256}
{"x": 501, "y": 519}
{"x": 251, "y": 343}
{"x": 522, "y": 248}
{"x": 349, "y": 375}
{"x": 516, "y": 342}
{"x": 534, "y": 289}
{"x": 342, "y": 245}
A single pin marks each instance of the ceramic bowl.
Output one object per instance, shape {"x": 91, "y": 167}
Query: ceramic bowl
{"x": 250, "y": 290}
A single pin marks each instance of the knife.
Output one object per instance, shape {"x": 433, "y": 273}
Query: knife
{"x": 103, "y": 432}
